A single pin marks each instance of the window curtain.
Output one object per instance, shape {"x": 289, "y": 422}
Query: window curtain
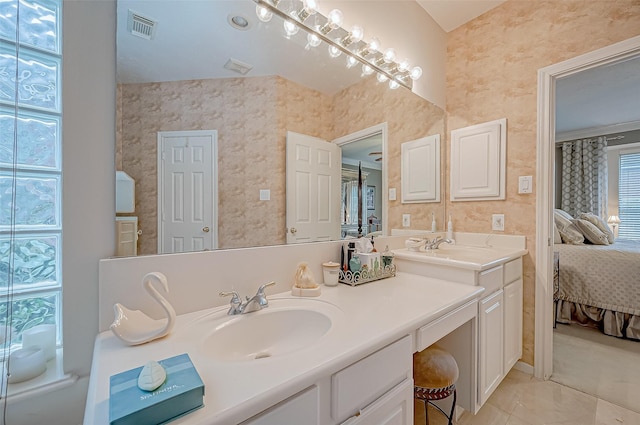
{"x": 584, "y": 176}
{"x": 350, "y": 202}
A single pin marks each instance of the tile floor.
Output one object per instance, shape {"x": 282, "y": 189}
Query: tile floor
{"x": 522, "y": 399}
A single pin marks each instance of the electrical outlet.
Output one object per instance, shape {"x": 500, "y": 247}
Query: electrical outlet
{"x": 497, "y": 222}
{"x": 392, "y": 194}
{"x": 406, "y": 220}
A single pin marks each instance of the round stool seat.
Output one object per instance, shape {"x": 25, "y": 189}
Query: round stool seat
{"x": 434, "y": 368}
{"x": 435, "y": 373}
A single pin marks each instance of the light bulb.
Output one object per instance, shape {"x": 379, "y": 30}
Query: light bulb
{"x": 393, "y": 84}
{"x": 372, "y": 47}
{"x": 416, "y": 73}
{"x": 356, "y": 34}
{"x": 263, "y": 13}
{"x": 290, "y": 28}
{"x": 353, "y": 37}
{"x": 403, "y": 66}
{"x": 351, "y": 62}
{"x": 334, "y": 20}
{"x": 382, "y": 78}
{"x": 389, "y": 55}
{"x": 309, "y": 7}
{"x": 374, "y": 44}
{"x": 334, "y": 52}
{"x": 367, "y": 70}
{"x": 313, "y": 40}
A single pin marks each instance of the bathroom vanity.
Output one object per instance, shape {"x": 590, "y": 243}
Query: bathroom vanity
{"x": 351, "y": 361}
{"x": 359, "y": 371}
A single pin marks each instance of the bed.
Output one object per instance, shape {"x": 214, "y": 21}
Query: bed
{"x": 600, "y": 285}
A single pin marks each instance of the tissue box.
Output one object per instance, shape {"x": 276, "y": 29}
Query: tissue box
{"x": 181, "y": 393}
{"x": 371, "y": 259}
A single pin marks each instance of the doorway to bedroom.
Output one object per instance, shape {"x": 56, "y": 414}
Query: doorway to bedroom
{"x": 596, "y": 301}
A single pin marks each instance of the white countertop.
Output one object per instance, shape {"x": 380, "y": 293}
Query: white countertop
{"x": 372, "y": 316}
{"x": 462, "y": 257}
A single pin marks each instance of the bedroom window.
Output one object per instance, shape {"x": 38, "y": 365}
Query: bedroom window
{"x": 30, "y": 168}
{"x": 629, "y": 195}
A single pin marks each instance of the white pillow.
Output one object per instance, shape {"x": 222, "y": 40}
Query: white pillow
{"x": 600, "y": 224}
{"x": 569, "y": 233}
{"x": 556, "y": 234}
{"x": 591, "y": 232}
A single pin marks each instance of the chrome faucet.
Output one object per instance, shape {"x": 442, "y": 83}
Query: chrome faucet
{"x": 257, "y": 302}
{"x": 434, "y": 244}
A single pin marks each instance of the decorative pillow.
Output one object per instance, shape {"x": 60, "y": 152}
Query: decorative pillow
{"x": 591, "y": 232}
{"x": 556, "y": 234}
{"x": 569, "y": 233}
{"x": 561, "y": 219}
{"x": 562, "y": 213}
{"x": 600, "y": 224}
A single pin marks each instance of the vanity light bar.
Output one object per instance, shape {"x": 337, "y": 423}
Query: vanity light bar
{"x": 391, "y": 70}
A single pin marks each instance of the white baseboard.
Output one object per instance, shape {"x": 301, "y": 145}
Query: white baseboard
{"x": 523, "y": 367}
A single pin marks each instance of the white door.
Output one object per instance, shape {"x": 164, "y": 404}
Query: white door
{"x": 187, "y": 191}
{"x": 313, "y": 189}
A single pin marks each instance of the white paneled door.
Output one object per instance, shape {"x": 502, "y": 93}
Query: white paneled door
{"x": 313, "y": 189}
{"x": 187, "y": 191}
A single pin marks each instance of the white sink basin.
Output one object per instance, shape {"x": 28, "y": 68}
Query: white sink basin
{"x": 274, "y": 331}
{"x": 461, "y": 255}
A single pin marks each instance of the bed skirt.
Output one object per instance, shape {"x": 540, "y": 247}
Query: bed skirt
{"x": 614, "y": 323}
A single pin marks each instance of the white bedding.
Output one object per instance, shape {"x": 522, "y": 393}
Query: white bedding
{"x": 603, "y": 276}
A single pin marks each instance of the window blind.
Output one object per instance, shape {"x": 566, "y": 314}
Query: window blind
{"x": 629, "y": 196}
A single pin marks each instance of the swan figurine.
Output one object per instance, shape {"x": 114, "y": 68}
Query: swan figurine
{"x": 133, "y": 326}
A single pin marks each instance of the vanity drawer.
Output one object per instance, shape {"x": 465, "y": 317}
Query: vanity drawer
{"x": 434, "y": 331}
{"x": 491, "y": 279}
{"x": 512, "y": 271}
{"x": 356, "y": 386}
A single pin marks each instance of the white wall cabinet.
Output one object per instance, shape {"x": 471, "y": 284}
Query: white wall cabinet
{"x": 478, "y": 161}
{"x": 420, "y": 170}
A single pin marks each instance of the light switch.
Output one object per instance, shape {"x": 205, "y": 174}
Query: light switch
{"x": 265, "y": 194}
{"x": 406, "y": 220}
{"x": 392, "y": 194}
{"x": 525, "y": 184}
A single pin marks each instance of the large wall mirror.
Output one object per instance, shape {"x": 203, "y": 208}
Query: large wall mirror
{"x": 177, "y": 82}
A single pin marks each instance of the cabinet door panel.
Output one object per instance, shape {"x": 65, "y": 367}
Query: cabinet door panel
{"x": 491, "y": 363}
{"x": 393, "y": 408}
{"x": 512, "y": 324}
{"x": 302, "y": 408}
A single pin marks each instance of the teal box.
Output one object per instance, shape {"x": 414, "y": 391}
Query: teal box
{"x": 181, "y": 393}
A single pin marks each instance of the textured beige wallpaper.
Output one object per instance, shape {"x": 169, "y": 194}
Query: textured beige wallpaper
{"x": 492, "y": 65}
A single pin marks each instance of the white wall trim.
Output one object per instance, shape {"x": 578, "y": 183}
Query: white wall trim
{"x": 543, "y": 351}
{"x": 598, "y": 131}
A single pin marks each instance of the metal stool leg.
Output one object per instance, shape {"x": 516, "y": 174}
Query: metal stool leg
{"x": 426, "y": 412}
{"x": 453, "y": 407}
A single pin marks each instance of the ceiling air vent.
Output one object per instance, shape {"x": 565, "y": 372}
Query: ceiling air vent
{"x": 238, "y": 66}
{"x": 140, "y": 26}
